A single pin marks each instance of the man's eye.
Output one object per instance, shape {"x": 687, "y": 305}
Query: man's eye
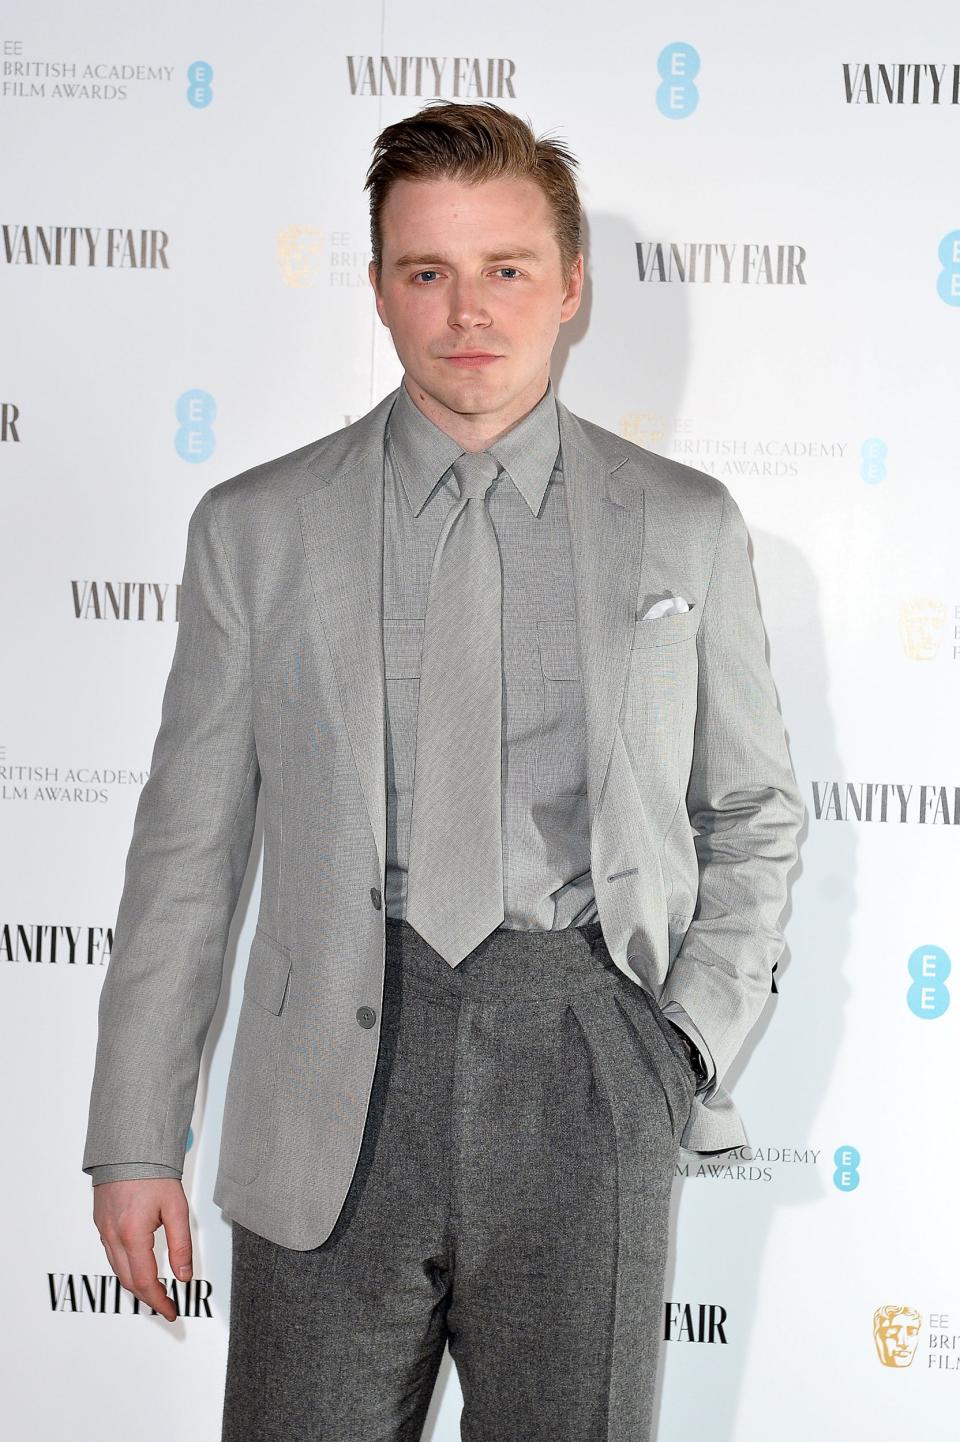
{"x": 511, "y": 270}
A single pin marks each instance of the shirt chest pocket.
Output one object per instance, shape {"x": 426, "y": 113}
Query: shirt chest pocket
{"x": 544, "y": 722}
{"x": 559, "y": 652}
{"x": 560, "y": 757}
{"x": 402, "y": 642}
{"x": 556, "y": 657}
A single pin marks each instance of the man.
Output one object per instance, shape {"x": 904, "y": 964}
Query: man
{"x": 528, "y": 818}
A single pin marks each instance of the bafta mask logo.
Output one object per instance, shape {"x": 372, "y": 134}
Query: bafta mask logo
{"x": 300, "y": 251}
{"x": 921, "y": 627}
{"x": 896, "y": 1332}
{"x": 644, "y": 428}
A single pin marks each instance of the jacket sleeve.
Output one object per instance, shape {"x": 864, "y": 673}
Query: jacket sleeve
{"x": 677, "y": 1017}
{"x": 131, "y": 1171}
{"x": 745, "y": 811}
{"x": 185, "y": 864}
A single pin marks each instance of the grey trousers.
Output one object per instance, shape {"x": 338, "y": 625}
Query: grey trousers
{"x": 511, "y": 1200}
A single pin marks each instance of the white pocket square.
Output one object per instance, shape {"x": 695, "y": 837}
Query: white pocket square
{"x": 669, "y": 606}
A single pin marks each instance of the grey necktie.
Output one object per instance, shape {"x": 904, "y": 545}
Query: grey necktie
{"x": 455, "y": 866}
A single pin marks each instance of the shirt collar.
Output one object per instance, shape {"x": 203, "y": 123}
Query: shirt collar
{"x": 424, "y": 453}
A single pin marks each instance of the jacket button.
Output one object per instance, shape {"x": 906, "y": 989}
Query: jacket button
{"x": 366, "y": 1015}
{"x": 375, "y": 897}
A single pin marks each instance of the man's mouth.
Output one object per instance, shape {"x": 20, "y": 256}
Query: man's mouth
{"x": 471, "y": 358}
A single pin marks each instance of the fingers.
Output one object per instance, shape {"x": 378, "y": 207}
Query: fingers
{"x": 135, "y": 1266}
{"x": 176, "y": 1225}
{"x": 140, "y": 1264}
{"x": 127, "y": 1214}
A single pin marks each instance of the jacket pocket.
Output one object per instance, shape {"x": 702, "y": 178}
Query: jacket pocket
{"x": 252, "y": 1082}
{"x": 666, "y": 630}
{"x": 268, "y": 971}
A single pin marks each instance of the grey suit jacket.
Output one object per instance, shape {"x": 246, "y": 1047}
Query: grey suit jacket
{"x": 277, "y": 684}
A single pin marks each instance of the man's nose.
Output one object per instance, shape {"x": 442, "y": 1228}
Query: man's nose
{"x": 467, "y": 305}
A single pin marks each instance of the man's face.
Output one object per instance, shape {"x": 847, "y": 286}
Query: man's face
{"x": 473, "y": 295}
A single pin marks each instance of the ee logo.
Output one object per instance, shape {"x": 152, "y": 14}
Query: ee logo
{"x": 948, "y": 281}
{"x": 677, "y": 65}
{"x": 846, "y": 1177}
{"x": 927, "y": 996}
{"x": 200, "y": 88}
{"x": 873, "y": 460}
{"x": 196, "y": 412}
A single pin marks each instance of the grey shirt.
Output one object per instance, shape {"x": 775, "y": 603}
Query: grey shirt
{"x": 546, "y": 843}
{"x": 546, "y": 835}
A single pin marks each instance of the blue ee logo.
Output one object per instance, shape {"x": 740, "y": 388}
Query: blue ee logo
{"x": 189, "y": 1139}
{"x": 927, "y": 996}
{"x": 846, "y": 1177}
{"x": 873, "y": 460}
{"x": 196, "y": 412}
{"x": 677, "y": 65}
{"x": 948, "y": 281}
{"x": 200, "y": 88}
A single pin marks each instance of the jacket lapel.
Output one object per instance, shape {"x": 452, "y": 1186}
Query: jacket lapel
{"x": 606, "y": 515}
{"x": 342, "y": 528}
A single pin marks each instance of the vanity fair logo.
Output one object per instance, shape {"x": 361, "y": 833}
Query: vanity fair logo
{"x": 749, "y": 1164}
{"x": 886, "y": 802}
{"x": 772, "y": 458}
{"x": 126, "y": 600}
{"x": 26, "y": 76}
{"x": 899, "y": 1339}
{"x": 77, "y": 785}
{"x": 929, "y": 628}
{"x": 9, "y": 415}
{"x": 83, "y": 248}
{"x": 93, "y": 1292}
{"x": 456, "y": 76}
{"x": 37, "y": 943}
{"x": 901, "y": 84}
{"x": 306, "y": 259}
{"x": 697, "y": 262}
{"x": 695, "y": 1322}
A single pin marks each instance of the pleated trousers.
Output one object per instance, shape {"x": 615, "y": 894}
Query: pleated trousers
{"x": 511, "y": 1200}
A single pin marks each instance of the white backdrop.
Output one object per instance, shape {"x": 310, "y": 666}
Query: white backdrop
{"x": 226, "y": 146}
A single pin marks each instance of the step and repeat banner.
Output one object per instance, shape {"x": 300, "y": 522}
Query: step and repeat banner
{"x": 773, "y": 245}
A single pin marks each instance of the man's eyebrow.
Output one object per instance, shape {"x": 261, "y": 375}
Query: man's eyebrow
{"x": 520, "y": 253}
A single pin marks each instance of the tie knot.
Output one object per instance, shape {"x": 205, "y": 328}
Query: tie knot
{"x": 476, "y": 470}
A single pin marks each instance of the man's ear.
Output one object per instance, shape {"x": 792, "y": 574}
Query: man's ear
{"x": 574, "y": 291}
{"x": 375, "y": 283}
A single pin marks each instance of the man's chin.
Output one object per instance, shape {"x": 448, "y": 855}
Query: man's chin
{"x": 465, "y": 394}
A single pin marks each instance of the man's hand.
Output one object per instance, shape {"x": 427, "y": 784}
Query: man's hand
{"x": 696, "y": 1061}
{"x": 126, "y": 1215}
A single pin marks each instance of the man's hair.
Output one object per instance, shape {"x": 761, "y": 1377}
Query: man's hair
{"x": 473, "y": 143}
